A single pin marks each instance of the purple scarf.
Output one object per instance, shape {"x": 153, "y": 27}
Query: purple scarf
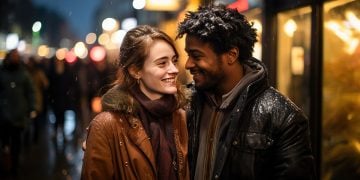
{"x": 156, "y": 116}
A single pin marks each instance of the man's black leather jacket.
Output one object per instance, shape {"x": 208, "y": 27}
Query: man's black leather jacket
{"x": 268, "y": 136}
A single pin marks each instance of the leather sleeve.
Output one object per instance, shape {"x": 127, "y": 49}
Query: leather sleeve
{"x": 295, "y": 159}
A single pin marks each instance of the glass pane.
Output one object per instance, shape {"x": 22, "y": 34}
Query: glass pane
{"x": 293, "y": 66}
{"x": 252, "y": 10}
{"x": 341, "y": 91}
{"x": 254, "y": 16}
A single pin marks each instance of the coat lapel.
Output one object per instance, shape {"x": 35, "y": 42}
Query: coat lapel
{"x": 138, "y": 136}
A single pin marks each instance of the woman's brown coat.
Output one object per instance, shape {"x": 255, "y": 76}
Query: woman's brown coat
{"x": 117, "y": 146}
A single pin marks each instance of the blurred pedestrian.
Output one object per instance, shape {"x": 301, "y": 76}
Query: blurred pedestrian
{"x": 57, "y": 95}
{"x": 41, "y": 84}
{"x": 141, "y": 133}
{"x": 17, "y": 105}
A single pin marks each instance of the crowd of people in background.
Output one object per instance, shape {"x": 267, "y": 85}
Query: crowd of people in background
{"x": 32, "y": 89}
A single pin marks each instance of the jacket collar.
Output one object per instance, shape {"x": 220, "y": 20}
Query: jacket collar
{"x": 120, "y": 101}
{"x": 138, "y": 136}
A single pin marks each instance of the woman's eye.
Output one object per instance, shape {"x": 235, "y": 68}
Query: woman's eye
{"x": 163, "y": 63}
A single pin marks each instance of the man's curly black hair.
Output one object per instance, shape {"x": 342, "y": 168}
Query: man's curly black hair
{"x": 222, "y": 28}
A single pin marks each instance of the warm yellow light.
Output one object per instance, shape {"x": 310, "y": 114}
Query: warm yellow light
{"x": 162, "y": 5}
{"x": 257, "y": 25}
{"x": 353, "y": 20}
{"x": 290, "y": 27}
{"x": 61, "y": 53}
{"x": 352, "y": 45}
{"x": 297, "y": 60}
{"x": 339, "y": 30}
{"x": 345, "y": 34}
{"x": 2, "y": 54}
{"x": 104, "y": 39}
{"x": 43, "y": 51}
{"x": 80, "y": 50}
{"x": 96, "y": 104}
{"x": 356, "y": 145}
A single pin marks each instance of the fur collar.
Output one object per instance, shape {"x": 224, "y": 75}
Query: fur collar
{"x": 119, "y": 100}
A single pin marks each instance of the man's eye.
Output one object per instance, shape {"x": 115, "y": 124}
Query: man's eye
{"x": 196, "y": 57}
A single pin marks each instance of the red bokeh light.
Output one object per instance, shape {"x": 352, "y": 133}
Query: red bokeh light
{"x": 97, "y": 53}
{"x": 70, "y": 57}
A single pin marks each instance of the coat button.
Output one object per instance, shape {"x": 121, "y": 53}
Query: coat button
{"x": 235, "y": 143}
{"x": 174, "y": 165}
{"x": 216, "y": 176}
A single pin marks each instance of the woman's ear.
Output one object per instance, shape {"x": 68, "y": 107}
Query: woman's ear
{"x": 233, "y": 55}
{"x": 134, "y": 71}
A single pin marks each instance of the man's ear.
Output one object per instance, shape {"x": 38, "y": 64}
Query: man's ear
{"x": 134, "y": 71}
{"x": 233, "y": 55}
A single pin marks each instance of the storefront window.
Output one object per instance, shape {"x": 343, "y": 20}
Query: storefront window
{"x": 254, "y": 16}
{"x": 341, "y": 91}
{"x": 252, "y": 10}
{"x": 293, "y": 55}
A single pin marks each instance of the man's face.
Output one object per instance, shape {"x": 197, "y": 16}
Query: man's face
{"x": 204, "y": 64}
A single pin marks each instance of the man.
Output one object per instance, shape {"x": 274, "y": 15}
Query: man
{"x": 240, "y": 127}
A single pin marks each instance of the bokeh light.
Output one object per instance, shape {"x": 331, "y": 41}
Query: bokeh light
{"x": 43, "y": 50}
{"x": 118, "y": 36}
{"x": 139, "y": 4}
{"x": 104, "y": 39}
{"x": 36, "y": 26}
{"x": 80, "y": 50}
{"x": 61, "y": 53}
{"x": 90, "y": 38}
{"x": 70, "y": 57}
{"x": 109, "y": 24}
{"x": 129, "y": 23}
{"x": 97, "y": 53}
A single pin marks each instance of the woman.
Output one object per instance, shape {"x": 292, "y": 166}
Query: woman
{"x": 141, "y": 133}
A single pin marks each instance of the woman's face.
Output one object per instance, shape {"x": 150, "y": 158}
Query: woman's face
{"x": 158, "y": 75}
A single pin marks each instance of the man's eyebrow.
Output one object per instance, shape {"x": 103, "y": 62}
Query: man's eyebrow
{"x": 193, "y": 51}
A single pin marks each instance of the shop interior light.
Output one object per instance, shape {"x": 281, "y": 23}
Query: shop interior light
{"x": 290, "y": 27}
{"x": 162, "y": 5}
{"x": 353, "y": 20}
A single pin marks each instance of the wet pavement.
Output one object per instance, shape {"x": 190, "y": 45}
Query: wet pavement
{"x": 53, "y": 157}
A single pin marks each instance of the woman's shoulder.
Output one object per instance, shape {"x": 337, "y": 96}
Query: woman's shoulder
{"x": 105, "y": 120}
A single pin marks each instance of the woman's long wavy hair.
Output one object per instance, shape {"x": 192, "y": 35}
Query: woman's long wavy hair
{"x": 135, "y": 49}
